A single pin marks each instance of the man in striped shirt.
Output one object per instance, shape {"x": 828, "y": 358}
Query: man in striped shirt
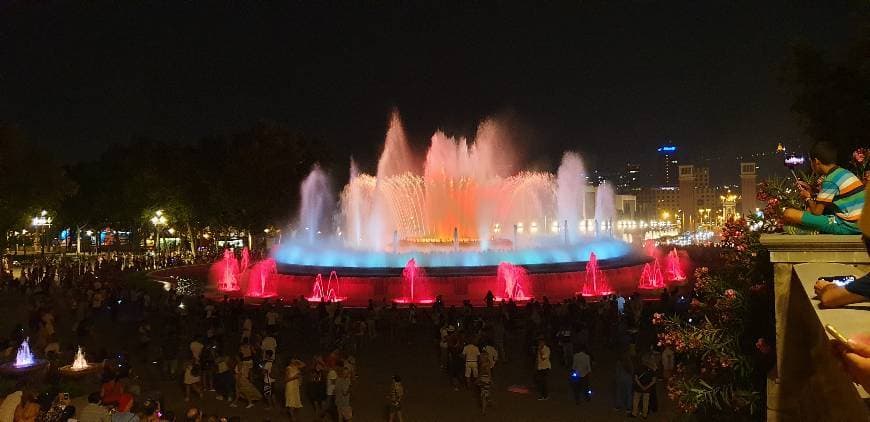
{"x": 836, "y": 208}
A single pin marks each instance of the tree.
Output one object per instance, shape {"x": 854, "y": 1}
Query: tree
{"x": 30, "y": 181}
{"x": 832, "y": 98}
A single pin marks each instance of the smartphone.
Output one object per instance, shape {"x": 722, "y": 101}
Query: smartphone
{"x": 836, "y": 334}
{"x": 840, "y": 280}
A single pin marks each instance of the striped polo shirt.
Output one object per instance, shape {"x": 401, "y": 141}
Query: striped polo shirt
{"x": 843, "y": 194}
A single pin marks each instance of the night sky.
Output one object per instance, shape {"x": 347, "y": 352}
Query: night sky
{"x": 610, "y": 79}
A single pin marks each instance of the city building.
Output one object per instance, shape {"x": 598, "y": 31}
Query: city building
{"x": 629, "y": 180}
{"x": 667, "y": 163}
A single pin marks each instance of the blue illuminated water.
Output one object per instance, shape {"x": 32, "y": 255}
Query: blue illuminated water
{"x": 334, "y": 254}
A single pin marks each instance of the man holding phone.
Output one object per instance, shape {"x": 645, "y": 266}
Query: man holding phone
{"x": 836, "y": 208}
{"x": 833, "y": 295}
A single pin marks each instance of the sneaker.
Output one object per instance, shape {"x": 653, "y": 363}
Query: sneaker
{"x": 233, "y": 404}
{"x": 250, "y": 405}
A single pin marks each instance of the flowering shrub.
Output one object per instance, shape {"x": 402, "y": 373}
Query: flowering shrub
{"x": 715, "y": 366}
{"x": 860, "y": 161}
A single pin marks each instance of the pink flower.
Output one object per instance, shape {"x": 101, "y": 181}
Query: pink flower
{"x": 859, "y": 156}
{"x": 730, "y": 294}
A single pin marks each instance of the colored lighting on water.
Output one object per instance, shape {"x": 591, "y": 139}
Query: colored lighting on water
{"x": 24, "y": 357}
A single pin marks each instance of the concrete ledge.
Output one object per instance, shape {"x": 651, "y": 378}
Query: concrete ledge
{"x": 809, "y": 383}
{"x": 815, "y": 248}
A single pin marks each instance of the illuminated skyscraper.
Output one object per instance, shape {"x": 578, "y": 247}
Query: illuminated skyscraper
{"x": 667, "y": 176}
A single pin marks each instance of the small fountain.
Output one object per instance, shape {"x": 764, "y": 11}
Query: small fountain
{"x": 24, "y": 363}
{"x": 674, "y": 268}
{"x": 261, "y": 279}
{"x": 414, "y": 285}
{"x": 332, "y": 292}
{"x": 80, "y": 366}
{"x": 596, "y": 282}
{"x": 246, "y": 260}
{"x": 225, "y": 273}
{"x": 651, "y": 277}
{"x": 511, "y": 279}
{"x": 24, "y": 357}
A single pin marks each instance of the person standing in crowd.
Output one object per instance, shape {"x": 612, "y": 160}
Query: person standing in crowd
{"x": 644, "y": 382}
{"x": 471, "y": 353}
{"x": 223, "y": 380}
{"x": 292, "y": 397}
{"x": 624, "y": 380}
{"x": 542, "y": 366}
{"x": 192, "y": 380}
{"x": 268, "y": 381}
{"x": 484, "y": 381}
{"x": 244, "y": 387}
{"x": 397, "y": 393}
{"x": 581, "y": 369}
{"x": 342, "y": 396}
{"x": 316, "y": 388}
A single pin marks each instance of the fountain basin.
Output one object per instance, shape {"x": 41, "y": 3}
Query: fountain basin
{"x": 89, "y": 369}
{"x": 9, "y": 368}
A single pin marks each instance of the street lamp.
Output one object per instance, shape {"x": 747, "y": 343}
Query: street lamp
{"x": 41, "y": 223}
{"x": 157, "y": 220}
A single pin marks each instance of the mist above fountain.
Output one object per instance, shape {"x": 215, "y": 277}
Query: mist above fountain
{"x": 466, "y": 206}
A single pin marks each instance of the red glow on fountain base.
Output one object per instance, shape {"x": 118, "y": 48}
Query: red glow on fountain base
{"x": 415, "y": 301}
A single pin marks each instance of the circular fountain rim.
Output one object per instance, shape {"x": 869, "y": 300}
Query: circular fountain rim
{"x": 629, "y": 260}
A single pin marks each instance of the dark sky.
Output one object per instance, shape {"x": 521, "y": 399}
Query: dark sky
{"x": 611, "y": 79}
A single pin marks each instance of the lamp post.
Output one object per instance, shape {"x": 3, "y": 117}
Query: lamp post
{"x": 158, "y": 219}
{"x": 41, "y": 223}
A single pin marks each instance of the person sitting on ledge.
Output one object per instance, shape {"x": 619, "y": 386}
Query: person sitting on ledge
{"x": 833, "y": 295}
{"x": 836, "y": 208}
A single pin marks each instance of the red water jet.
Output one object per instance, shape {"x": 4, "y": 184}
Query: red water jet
{"x": 596, "y": 282}
{"x": 414, "y": 285}
{"x": 261, "y": 279}
{"x": 511, "y": 279}
{"x": 332, "y": 291}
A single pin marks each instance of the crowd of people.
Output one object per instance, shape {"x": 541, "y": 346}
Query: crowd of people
{"x": 246, "y": 356}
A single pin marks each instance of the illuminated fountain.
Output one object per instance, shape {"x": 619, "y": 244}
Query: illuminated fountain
{"x": 261, "y": 279}
{"x": 330, "y": 293}
{"x": 24, "y": 357}
{"x": 246, "y": 260}
{"x": 24, "y": 363}
{"x": 80, "y": 366}
{"x": 651, "y": 277}
{"x": 511, "y": 280}
{"x": 414, "y": 285}
{"x": 465, "y": 207}
{"x": 674, "y": 270}
{"x": 596, "y": 282}
{"x": 225, "y": 272}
